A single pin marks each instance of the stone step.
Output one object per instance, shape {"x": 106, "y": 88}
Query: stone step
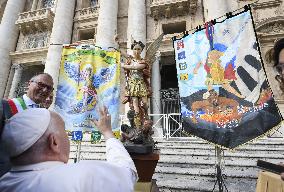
{"x": 270, "y": 141}
{"x": 234, "y": 172}
{"x": 201, "y": 163}
{"x": 267, "y": 142}
{"x": 203, "y": 152}
{"x": 89, "y": 156}
{"x": 190, "y": 140}
{"x": 211, "y": 160}
{"x": 184, "y": 139}
{"x": 87, "y": 138}
{"x": 90, "y": 148}
{"x": 198, "y": 154}
{"x": 182, "y": 183}
{"x": 211, "y": 146}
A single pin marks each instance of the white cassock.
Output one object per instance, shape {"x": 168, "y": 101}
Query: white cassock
{"x": 118, "y": 174}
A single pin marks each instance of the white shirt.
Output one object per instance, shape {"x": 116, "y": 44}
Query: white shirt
{"x": 29, "y": 103}
{"x": 118, "y": 174}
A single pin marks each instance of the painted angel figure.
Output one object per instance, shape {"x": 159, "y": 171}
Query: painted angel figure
{"x": 88, "y": 83}
{"x": 89, "y": 92}
{"x": 85, "y": 77}
{"x": 138, "y": 73}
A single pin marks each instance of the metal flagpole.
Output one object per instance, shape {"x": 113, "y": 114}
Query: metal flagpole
{"x": 219, "y": 175}
{"x": 78, "y": 152}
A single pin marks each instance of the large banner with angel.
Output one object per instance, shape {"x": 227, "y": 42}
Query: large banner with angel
{"x": 225, "y": 97}
{"x": 89, "y": 78}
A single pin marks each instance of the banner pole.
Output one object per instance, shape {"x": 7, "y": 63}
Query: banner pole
{"x": 219, "y": 175}
{"x": 78, "y": 152}
{"x": 218, "y": 169}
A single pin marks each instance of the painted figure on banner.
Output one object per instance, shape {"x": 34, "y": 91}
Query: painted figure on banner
{"x": 89, "y": 92}
{"x": 216, "y": 73}
{"x": 214, "y": 107}
{"x": 138, "y": 84}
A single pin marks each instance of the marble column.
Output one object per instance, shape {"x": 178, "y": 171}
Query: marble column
{"x": 61, "y": 34}
{"x": 107, "y": 23}
{"x": 9, "y": 82}
{"x": 136, "y": 22}
{"x": 8, "y": 38}
{"x": 156, "y": 96}
{"x": 83, "y": 4}
{"x": 216, "y": 8}
{"x": 16, "y": 80}
{"x": 34, "y": 5}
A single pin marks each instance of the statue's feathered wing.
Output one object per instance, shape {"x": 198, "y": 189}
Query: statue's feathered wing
{"x": 152, "y": 50}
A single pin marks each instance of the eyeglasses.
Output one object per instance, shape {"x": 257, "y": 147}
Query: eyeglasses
{"x": 42, "y": 86}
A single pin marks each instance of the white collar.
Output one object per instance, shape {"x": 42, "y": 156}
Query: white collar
{"x": 28, "y": 101}
{"x": 36, "y": 166}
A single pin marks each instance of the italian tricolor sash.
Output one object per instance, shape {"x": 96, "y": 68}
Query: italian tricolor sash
{"x": 13, "y": 106}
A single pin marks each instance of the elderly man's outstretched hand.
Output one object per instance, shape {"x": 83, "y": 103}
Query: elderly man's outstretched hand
{"x": 104, "y": 123}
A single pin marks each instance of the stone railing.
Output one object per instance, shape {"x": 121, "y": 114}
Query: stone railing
{"x": 36, "y": 40}
{"x": 87, "y": 13}
{"x": 34, "y": 21}
{"x": 172, "y": 8}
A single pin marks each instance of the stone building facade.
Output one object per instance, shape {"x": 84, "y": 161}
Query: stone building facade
{"x": 32, "y": 33}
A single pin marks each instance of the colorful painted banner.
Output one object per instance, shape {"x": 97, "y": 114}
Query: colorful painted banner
{"x": 89, "y": 78}
{"x": 225, "y": 97}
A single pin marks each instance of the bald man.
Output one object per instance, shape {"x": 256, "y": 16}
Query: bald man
{"x": 39, "y": 151}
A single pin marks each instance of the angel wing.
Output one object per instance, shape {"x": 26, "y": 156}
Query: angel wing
{"x": 104, "y": 75}
{"x": 73, "y": 71}
{"x": 152, "y": 49}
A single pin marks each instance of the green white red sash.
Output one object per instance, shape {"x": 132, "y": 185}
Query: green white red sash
{"x": 14, "y": 106}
